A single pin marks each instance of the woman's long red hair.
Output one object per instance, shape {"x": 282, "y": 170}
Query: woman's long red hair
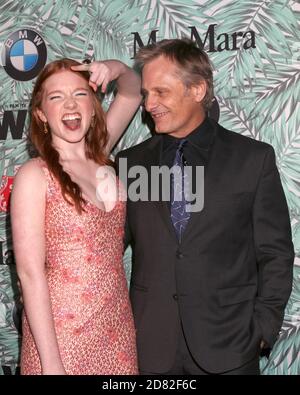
{"x": 95, "y": 140}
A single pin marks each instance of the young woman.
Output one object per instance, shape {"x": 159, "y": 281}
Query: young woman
{"x": 68, "y": 243}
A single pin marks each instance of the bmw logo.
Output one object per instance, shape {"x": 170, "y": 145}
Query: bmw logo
{"x": 25, "y": 55}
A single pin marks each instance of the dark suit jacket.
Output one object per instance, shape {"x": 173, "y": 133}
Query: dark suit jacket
{"x": 229, "y": 280}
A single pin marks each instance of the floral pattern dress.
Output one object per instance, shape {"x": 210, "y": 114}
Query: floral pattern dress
{"x": 88, "y": 289}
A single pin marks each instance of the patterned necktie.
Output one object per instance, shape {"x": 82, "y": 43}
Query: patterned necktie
{"x": 179, "y": 185}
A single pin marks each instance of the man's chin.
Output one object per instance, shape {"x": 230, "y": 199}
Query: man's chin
{"x": 161, "y": 131}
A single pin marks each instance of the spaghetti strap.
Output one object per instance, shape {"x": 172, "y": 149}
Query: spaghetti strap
{"x": 52, "y": 184}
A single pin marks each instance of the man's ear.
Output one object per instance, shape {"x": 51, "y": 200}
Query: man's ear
{"x": 41, "y": 115}
{"x": 199, "y": 91}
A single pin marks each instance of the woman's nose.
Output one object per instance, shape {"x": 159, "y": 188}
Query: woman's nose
{"x": 70, "y": 102}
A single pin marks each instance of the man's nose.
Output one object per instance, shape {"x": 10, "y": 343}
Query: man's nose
{"x": 150, "y": 102}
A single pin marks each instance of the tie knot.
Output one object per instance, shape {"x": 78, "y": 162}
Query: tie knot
{"x": 181, "y": 143}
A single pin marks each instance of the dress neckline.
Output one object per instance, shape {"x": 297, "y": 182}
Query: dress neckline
{"x": 88, "y": 202}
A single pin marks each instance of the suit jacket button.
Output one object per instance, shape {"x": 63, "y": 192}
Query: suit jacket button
{"x": 175, "y": 297}
{"x": 179, "y": 255}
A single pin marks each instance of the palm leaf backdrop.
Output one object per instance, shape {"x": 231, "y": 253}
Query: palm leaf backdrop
{"x": 273, "y": 37}
{"x": 171, "y": 18}
{"x": 257, "y": 91}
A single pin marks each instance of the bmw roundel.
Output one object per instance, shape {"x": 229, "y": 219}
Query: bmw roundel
{"x": 25, "y": 54}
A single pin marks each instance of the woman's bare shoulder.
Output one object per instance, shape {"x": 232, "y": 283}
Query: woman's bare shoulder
{"x": 32, "y": 172}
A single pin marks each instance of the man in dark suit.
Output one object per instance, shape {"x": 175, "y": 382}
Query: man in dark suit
{"x": 208, "y": 287}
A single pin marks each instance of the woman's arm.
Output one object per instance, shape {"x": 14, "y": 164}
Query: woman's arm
{"x": 128, "y": 96}
{"x": 28, "y": 217}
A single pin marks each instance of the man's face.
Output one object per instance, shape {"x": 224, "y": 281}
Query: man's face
{"x": 175, "y": 109}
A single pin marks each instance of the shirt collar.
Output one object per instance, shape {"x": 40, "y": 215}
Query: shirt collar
{"x": 201, "y": 137}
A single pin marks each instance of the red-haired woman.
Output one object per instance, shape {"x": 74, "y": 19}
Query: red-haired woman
{"x": 67, "y": 240}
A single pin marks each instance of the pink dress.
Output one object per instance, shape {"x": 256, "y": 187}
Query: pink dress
{"x": 88, "y": 289}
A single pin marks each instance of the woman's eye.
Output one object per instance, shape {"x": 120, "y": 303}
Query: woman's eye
{"x": 81, "y": 94}
{"x": 54, "y": 97}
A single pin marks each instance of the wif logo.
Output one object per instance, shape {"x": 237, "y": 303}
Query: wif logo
{"x": 24, "y": 54}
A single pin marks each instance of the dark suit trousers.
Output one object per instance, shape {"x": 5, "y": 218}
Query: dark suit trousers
{"x": 184, "y": 364}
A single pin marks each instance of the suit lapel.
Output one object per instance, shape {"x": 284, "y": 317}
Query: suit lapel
{"x": 219, "y": 154}
{"x": 153, "y": 159}
{"x": 213, "y": 172}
